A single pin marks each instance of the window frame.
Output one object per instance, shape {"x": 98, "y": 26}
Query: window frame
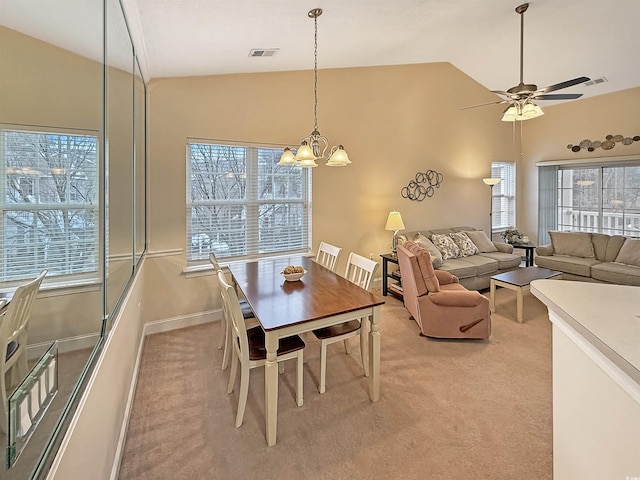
{"x": 504, "y": 193}
{"x": 55, "y": 280}
{"x": 251, "y": 202}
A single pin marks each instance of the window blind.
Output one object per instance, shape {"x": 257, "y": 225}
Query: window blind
{"x": 49, "y": 204}
{"x": 241, "y": 204}
{"x": 504, "y": 195}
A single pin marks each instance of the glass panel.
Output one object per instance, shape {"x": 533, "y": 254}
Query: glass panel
{"x": 119, "y": 153}
{"x": 51, "y": 90}
{"x": 139, "y": 116}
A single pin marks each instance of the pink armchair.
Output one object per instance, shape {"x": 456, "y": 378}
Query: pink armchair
{"x": 439, "y": 304}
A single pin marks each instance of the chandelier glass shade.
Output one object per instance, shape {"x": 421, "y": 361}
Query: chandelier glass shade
{"x": 521, "y": 111}
{"x": 315, "y": 146}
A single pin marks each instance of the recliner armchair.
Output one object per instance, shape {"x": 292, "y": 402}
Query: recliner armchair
{"x": 439, "y": 304}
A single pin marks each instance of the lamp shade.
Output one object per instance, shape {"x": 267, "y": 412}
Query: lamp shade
{"x": 394, "y": 222}
{"x": 338, "y": 158}
{"x": 287, "y": 157}
{"x": 305, "y": 155}
{"x": 492, "y": 181}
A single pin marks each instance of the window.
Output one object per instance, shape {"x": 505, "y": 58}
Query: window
{"x": 599, "y": 198}
{"x": 241, "y": 204}
{"x": 504, "y": 196}
{"x": 49, "y": 204}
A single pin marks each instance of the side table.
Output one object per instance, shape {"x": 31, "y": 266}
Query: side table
{"x": 528, "y": 250}
{"x": 396, "y": 288}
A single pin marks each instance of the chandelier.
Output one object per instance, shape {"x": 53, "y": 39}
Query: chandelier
{"x": 314, "y": 147}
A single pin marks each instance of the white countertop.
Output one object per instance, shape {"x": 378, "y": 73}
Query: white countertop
{"x": 607, "y": 316}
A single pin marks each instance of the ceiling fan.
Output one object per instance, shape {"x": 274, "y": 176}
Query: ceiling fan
{"x": 520, "y": 98}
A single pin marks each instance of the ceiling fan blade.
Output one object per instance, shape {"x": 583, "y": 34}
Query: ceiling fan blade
{"x": 568, "y": 83}
{"x": 558, "y": 96}
{"x": 484, "y": 104}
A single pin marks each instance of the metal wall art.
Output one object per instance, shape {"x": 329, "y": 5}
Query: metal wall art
{"x": 607, "y": 144}
{"x": 423, "y": 186}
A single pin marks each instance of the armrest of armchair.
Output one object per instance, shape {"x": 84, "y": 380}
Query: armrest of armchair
{"x": 504, "y": 247}
{"x": 546, "y": 250}
{"x": 456, "y": 298}
{"x": 445, "y": 278}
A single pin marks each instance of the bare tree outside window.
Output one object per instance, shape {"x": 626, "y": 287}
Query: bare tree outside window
{"x": 240, "y": 203}
{"x": 49, "y": 204}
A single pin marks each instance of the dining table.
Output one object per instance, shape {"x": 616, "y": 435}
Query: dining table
{"x": 319, "y": 299}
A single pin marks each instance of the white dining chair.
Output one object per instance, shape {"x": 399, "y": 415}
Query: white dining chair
{"x": 327, "y": 255}
{"x": 247, "y": 313}
{"x": 250, "y": 352}
{"x": 14, "y": 331}
{"x": 361, "y": 271}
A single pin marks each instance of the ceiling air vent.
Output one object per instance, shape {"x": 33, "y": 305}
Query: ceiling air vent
{"x": 263, "y": 52}
{"x": 595, "y": 81}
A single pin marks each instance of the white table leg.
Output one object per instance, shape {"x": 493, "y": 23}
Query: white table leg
{"x": 519, "y": 305}
{"x": 374, "y": 356}
{"x": 492, "y": 295}
{"x": 271, "y": 387}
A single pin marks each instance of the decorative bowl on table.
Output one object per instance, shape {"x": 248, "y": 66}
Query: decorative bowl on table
{"x": 293, "y": 274}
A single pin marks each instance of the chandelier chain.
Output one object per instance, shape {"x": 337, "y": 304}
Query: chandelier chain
{"x": 315, "y": 74}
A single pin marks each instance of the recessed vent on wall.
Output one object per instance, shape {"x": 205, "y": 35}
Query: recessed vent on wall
{"x": 263, "y": 52}
{"x": 595, "y": 81}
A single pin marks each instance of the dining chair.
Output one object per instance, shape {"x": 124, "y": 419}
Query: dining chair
{"x": 361, "y": 271}
{"x": 249, "y": 350}
{"x": 247, "y": 313}
{"x": 14, "y": 330}
{"x": 327, "y": 255}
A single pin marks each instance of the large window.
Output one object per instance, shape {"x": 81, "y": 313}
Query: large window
{"x": 599, "y": 198}
{"x": 504, "y": 196}
{"x": 241, "y": 204}
{"x": 49, "y": 204}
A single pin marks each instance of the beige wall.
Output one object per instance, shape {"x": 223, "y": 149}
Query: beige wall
{"x": 393, "y": 121}
{"x": 546, "y": 138}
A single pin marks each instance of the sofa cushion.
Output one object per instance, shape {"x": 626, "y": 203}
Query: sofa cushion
{"x": 425, "y": 268}
{"x": 616, "y": 273}
{"x": 424, "y": 242}
{"x": 629, "y": 253}
{"x": 459, "y": 267}
{"x": 480, "y": 240}
{"x": 446, "y": 245}
{"x": 464, "y": 243}
{"x": 575, "y": 265}
{"x": 577, "y": 244}
{"x": 484, "y": 265}
{"x": 506, "y": 261}
{"x": 599, "y": 241}
{"x": 613, "y": 247}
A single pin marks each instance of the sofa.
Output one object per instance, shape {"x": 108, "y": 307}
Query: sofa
{"x": 474, "y": 270}
{"x": 437, "y": 302}
{"x": 594, "y": 257}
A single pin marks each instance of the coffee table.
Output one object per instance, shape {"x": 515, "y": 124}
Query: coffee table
{"x": 518, "y": 280}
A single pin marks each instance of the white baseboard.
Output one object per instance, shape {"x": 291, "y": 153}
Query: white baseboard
{"x": 182, "y": 321}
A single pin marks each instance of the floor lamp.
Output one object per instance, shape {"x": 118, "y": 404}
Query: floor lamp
{"x": 492, "y": 182}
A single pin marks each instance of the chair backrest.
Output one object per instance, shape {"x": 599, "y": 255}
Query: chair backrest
{"x": 360, "y": 270}
{"x": 233, "y": 311}
{"x": 214, "y": 261}
{"x": 15, "y": 321}
{"x": 327, "y": 255}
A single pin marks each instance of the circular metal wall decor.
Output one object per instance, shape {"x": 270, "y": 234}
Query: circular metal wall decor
{"x": 423, "y": 186}
{"x": 607, "y": 144}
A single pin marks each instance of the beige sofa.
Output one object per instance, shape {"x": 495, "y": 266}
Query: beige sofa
{"x": 594, "y": 257}
{"x": 475, "y": 271}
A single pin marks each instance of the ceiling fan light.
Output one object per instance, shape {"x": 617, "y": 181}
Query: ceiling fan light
{"x": 287, "y": 158}
{"x": 510, "y": 114}
{"x": 531, "y": 110}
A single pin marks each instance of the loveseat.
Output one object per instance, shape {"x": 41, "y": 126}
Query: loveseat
{"x": 594, "y": 257}
{"x": 474, "y": 271}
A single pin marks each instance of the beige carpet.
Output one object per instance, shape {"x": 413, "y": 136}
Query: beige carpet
{"x": 448, "y": 409}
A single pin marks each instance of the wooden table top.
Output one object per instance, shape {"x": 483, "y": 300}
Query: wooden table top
{"x": 319, "y": 294}
{"x": 524, "y": 276}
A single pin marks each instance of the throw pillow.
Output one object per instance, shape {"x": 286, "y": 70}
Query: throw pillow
{"x": 480, "y": 239}
{"x": 424, "y": 242}
{"x": 629, "y": 253}
{"x": 576, "y": 244}
{"x": 464, "y": 243}
{"x": 446, "y": 245}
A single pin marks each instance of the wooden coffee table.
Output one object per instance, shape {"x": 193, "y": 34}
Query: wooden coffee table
{"x": 519, "y": 281}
